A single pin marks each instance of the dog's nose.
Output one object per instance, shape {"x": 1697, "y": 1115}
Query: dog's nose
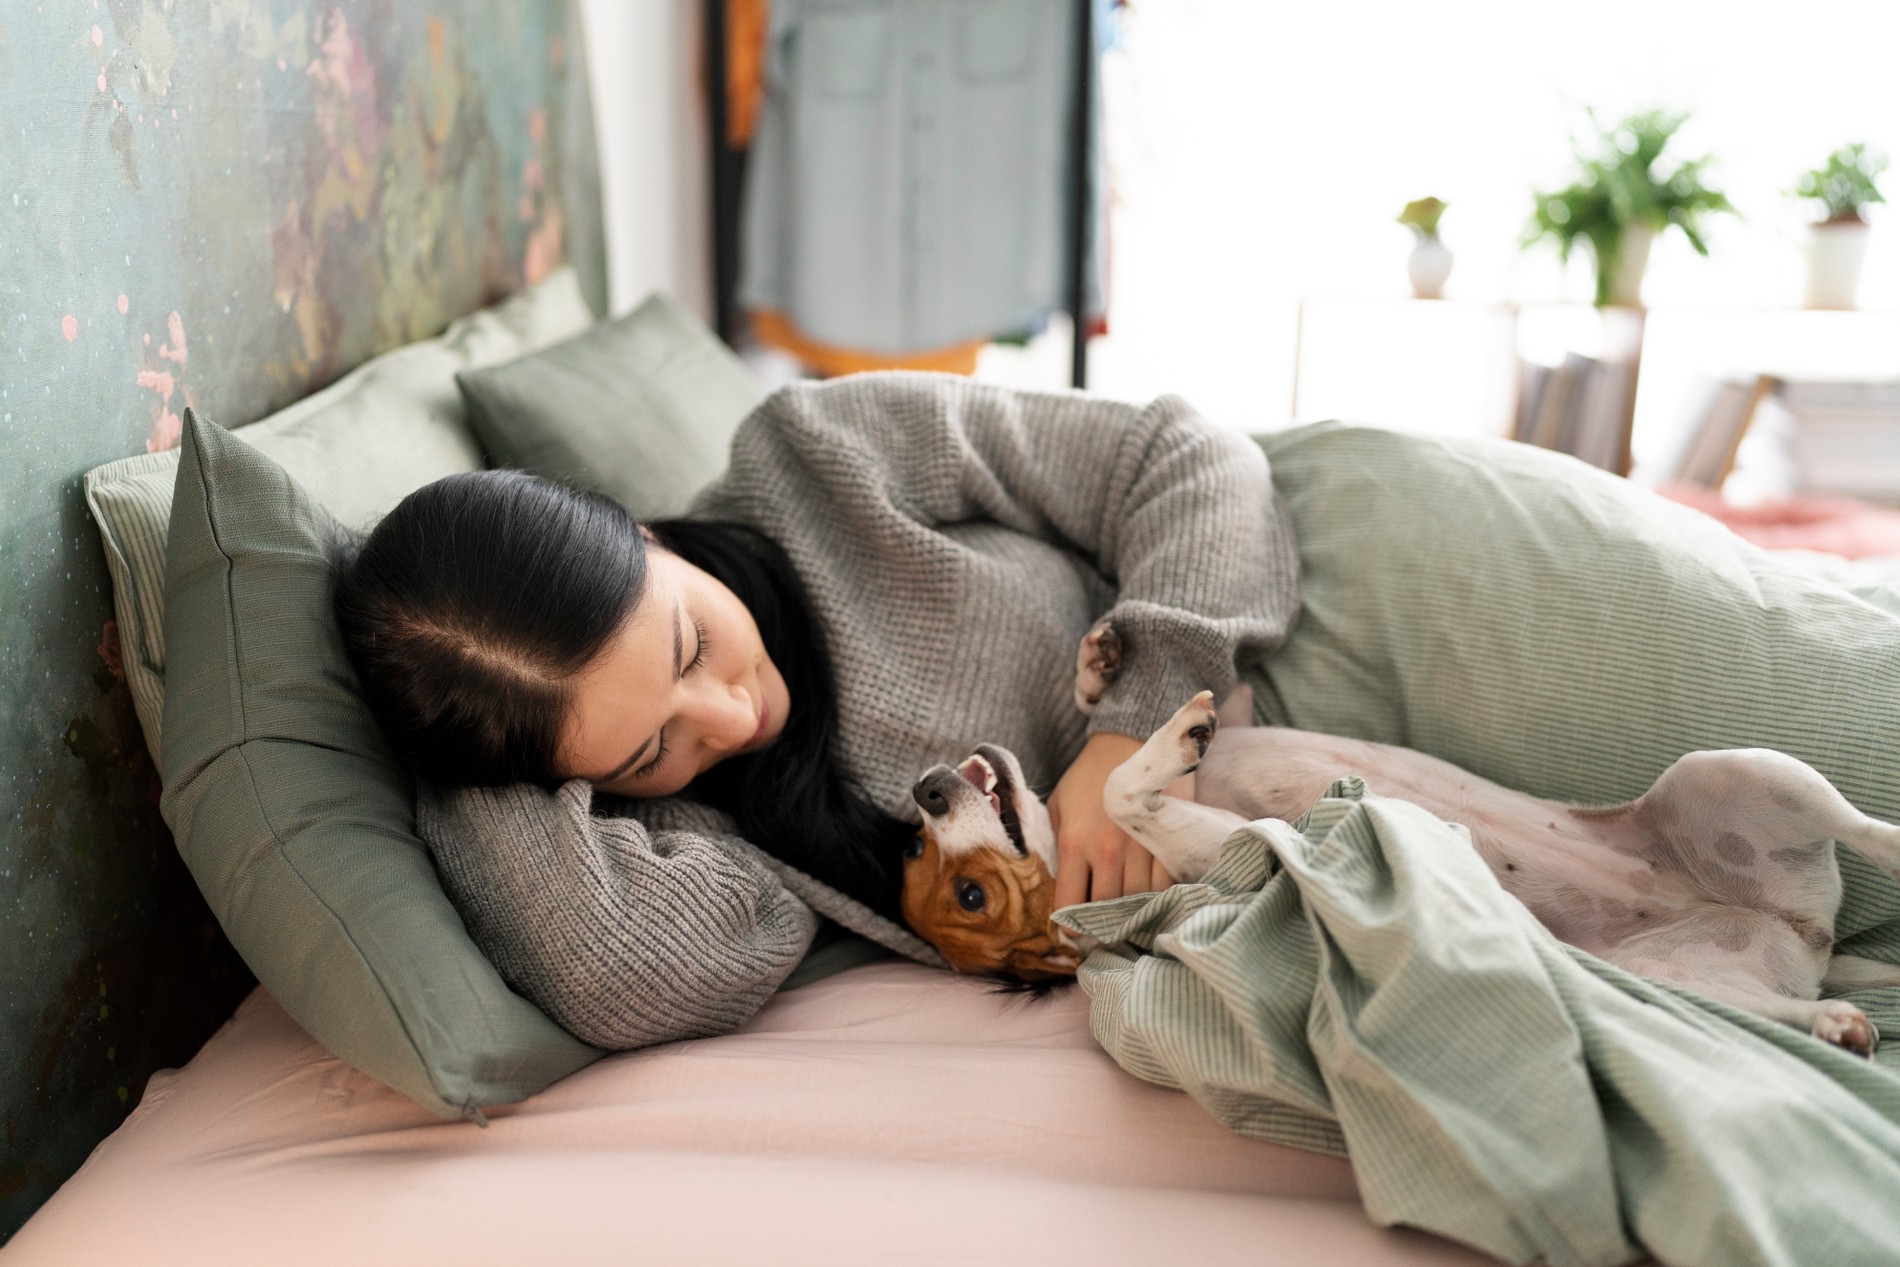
{"x": 932, "y": 792}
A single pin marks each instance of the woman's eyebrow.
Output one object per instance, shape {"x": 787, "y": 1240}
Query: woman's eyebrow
{"x": 679, "y": 620}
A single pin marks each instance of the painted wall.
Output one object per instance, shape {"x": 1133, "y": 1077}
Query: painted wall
{"x": 224, "y": 204}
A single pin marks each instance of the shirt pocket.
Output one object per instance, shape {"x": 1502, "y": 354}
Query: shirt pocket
{"x": 849, "y": 46}
{"x": 995, "y": 39}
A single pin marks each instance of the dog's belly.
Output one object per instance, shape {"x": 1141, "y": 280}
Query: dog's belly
{"x": 1583, "y": 874}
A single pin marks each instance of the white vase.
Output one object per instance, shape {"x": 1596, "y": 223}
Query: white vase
{"x": 1428, "y": 267}
{"x": 1835, "y": 251}
{"x": 1632, "y": 261}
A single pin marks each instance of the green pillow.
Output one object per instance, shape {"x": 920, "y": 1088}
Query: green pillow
{"x": 294, "y": 820}
{"x": 358, "y": 446}
{"x": 1565, "y": 632}
{"x": 570, "y": 410}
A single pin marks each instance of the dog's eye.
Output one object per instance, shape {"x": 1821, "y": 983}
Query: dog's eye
{"x": 915, "y": 849}
{"x": 970, "y": 895}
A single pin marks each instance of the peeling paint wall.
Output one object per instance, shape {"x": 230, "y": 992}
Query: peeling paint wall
{"x": 223, "y": 204}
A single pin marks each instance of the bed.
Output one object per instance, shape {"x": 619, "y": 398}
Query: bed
{"x": 885, "y": 1112}
{"x": 407, "y": 172}
{"x": 890, "y": 1113}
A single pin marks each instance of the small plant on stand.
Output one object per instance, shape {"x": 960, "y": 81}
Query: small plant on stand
{"x": 1844, "y": 186}
{"x": 1621, "y": 199}
{"x": 1430, "y": 262}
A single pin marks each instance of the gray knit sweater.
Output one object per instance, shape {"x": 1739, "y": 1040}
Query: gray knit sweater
{"x": 957, "y": 540}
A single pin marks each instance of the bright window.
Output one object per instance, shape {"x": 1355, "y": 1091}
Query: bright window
{"x": 1261, "y": 150}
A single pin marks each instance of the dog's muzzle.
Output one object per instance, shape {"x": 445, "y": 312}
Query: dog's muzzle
{"x": 932, "y": 792}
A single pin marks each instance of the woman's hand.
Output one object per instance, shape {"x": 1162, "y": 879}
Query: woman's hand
{"x": 1095, "y": 859}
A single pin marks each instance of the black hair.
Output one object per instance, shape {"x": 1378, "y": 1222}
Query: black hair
{"x": 470, "y": 607}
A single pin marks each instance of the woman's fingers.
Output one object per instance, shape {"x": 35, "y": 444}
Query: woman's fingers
{"x": 1095, "y": 859}
{"x": 1105, "y": 851}
{"x": 1138, "y": 870}
{"x": 1089, "y": 868}
{"x": 1072, "y": 883}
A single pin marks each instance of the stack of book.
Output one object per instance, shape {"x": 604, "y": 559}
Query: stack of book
{"x": 1843, "y": 437}
{"x": 1826, "y": 437}
{"x": 1581, "y": 407}
{"x": 1721, "y": 414}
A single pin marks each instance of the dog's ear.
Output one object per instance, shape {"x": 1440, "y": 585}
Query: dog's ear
{"x": 1061, "y": 962}
{"x": 1041, "y": 956}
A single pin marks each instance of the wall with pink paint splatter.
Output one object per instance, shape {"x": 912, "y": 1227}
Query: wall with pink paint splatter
{"x": 223, "y": 204}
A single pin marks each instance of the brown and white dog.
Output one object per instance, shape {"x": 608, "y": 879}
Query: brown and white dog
{"x": 1720, "y": 879}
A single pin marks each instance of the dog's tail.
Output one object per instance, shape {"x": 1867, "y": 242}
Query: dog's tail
{"x": 1851, "y": 972}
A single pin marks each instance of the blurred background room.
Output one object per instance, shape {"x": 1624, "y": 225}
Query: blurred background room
{"x": 1656, "y": 235}
{"x": 1376, "y": 212}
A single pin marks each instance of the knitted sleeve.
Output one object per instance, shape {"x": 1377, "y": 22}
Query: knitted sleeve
{"x": 1180, "y": 517}
{"x": 623, "y": 933}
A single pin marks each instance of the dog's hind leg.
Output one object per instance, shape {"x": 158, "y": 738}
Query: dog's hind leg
{"x": 1833, "y": 1021}
{"x": 1677, "y": 953}
{"x": 1755, "y": 825}
{"x": 1802, "y": 793}
{"x": 1184, "y": 836}
{"x": 1872, "y": 839}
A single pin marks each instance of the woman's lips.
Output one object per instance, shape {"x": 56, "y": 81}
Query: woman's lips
{"x": 765, "y": 718}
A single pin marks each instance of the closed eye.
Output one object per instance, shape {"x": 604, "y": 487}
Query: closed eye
{"x": 654, "y": 764}
{"x": 699, "y": 658}
{"x": 699, "y": 652}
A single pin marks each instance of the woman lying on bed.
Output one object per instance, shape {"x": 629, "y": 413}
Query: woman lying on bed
{"x": 893, "y": 567}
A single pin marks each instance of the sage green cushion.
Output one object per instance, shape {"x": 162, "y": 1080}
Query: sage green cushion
{"x": 359, "y": 446}
{"x": 1565, "y": 632}
{"x": 641, "y": 407}
{"x": 294, "y": 820}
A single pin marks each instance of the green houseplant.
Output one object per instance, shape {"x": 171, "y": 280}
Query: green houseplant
{"x": 1621, "y": 199}
{"x": 1837, "y": 243}
{"x": 1430, "y": 262}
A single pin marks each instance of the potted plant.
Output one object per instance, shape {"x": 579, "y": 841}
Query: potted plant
{"x": 1845, "y": 184}
{"x": 1430, "y": 262}
{"x": 1621, "y": 200}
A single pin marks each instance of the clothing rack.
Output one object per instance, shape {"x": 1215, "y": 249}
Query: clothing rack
{"x": 728, "y": 180}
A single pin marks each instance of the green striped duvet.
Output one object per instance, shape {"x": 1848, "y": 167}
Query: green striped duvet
{"x": 1375, "y": 992}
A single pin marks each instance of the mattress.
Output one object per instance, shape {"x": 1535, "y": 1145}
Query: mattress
{"x": 889, "y": 1114}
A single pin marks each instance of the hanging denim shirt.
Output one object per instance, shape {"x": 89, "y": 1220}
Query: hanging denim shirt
{"x": 908, "y": 184}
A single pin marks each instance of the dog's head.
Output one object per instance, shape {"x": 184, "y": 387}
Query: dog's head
{"x": 979, "y": 879}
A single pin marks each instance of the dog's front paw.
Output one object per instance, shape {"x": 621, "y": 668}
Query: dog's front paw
{"x": 1098, "y": 662}
{"x": 1172, "y": 751}
{"x": 1187, "y": 733}
{"x": 1841, "y": 1023}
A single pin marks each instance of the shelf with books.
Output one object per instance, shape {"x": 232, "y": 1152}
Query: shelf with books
{"x": 1640, "y": 380}
{"x": 1814, "y": 437}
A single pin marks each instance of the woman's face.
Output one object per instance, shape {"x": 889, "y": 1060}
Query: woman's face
{"x": 684, "y": 684}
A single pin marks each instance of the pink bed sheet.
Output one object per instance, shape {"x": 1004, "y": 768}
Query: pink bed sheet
{"x": 1829, "y": 525}
{"x": 891, "y": 1114}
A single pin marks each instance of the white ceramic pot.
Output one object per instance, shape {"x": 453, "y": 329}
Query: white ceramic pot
{"x": 1632, "y": 261}
{"x": 1428, "y": 267}
{"x": 1835, "y": 251}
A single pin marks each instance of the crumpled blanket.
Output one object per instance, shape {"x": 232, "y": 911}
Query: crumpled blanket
{"x": 1358, "y": 982}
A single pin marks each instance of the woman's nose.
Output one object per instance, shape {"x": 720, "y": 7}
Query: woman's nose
{"x": 730, "y": 717}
